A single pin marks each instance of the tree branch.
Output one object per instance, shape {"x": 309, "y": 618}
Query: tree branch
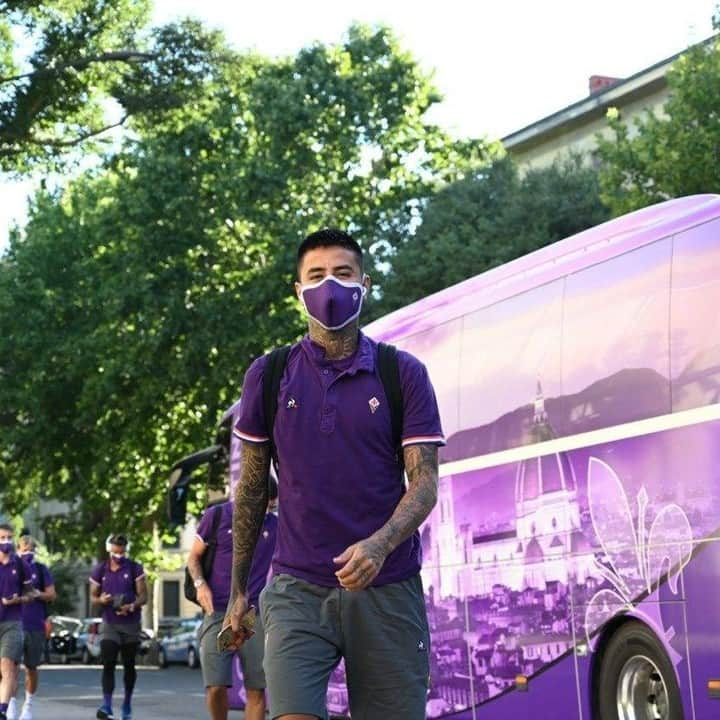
{"x": 127, "y": 56}
{"x": 55, "y": 142}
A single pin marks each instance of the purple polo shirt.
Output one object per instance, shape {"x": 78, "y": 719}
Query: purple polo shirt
{"x": 11, "y": 585}
{"x": 115, "y": 582}
{"x": 220, "y": 577}
{"x": 339, "y": 477}
{"x": 35, "y": 612}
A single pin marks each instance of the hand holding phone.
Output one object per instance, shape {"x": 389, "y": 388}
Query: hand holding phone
{"x": 229, "y": 640}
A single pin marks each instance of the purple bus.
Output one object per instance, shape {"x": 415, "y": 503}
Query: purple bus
{"x": 570, "y": 565}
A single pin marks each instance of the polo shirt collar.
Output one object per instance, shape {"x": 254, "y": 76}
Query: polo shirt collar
{"x": 363, "y": 359}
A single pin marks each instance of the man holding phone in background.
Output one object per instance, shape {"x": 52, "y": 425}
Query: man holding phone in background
{"x": 213, "y": 593}
{"x": 118, "y": 584}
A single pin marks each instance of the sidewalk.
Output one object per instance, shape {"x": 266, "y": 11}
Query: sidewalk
{"x": 143, "y": 709}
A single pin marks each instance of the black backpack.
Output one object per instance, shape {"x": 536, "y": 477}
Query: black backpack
{"x": 207, "y": 560}
{"x": 388, "y": 370}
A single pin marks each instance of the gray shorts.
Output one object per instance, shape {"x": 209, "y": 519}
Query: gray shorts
{"x": 121, "y": 633}
{"x": 33, "y": 648}
{"x": 11, "y": 640}
{"x": 381, "y": 632}
{"x": 217, "y": 666}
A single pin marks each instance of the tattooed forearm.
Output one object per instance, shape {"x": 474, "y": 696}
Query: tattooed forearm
{"x": 251, "y": 498}
{"x": 421, "y": 465}
{"x": 338, "y": 344}
{"x": 194, "y": 566}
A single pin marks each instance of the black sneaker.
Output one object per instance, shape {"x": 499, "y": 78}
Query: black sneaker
{"x": 103, "y": 713}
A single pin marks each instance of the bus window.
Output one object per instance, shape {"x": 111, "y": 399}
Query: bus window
{"x": 695, "y": 322}
{"x": 510, "y": 361}
{"x": 615, "y": 352}
{"x": 439, "y": 349}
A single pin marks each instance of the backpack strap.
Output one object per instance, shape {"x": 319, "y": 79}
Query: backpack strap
{"x": 277, "y": 359}
{"x": 41, "y": 576}
{"x": 389, "y": 371}
{"x": 20, "y": 568}
{"x": 217, "y": 512}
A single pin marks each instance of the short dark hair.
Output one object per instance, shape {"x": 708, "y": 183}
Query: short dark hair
{"x": 329, "y": 237}
{"x": 118, "y": 539}
{"x": 8, "y": 527}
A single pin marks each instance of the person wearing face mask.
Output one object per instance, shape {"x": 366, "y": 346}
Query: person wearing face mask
{"x": 34, "y": 613}
{"x": 118, "y": 584}
{"x": 15, "y": 590}
{"x": 213, "y": 593}
{"x": 346, "y": 571}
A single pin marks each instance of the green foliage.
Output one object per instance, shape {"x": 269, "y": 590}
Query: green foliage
{"x": 661, "y": 157}
{"x": 139, "y": 294}
{"x": 69, "y": 577}
{"x": 72, "y": 69}
{"x": 487, "y": 219}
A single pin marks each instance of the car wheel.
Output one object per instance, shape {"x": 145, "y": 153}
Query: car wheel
{"x": 192, "y": 658}
{"x": 86, "y": 656}
{"x": 636, "y": 678}
{"x": 162, "y": 659}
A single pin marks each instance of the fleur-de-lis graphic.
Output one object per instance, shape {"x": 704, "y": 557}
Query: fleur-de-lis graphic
{"x": 636, "y": 559}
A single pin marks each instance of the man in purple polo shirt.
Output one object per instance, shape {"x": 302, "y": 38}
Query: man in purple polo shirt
{"x": 34, "y": 613}
{"x": 346, "y": 569}
{"x": 118, "y": 584}
{"x": 213, "y": 593}
{"x": 15, "y": 589}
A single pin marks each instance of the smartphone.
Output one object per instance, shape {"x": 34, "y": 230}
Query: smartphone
{"x": 226, "y": 636}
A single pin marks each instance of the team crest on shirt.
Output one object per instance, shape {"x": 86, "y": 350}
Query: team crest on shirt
{"x": 126, "y": 576}
{"x": 291, "y": 403}
{"x": 374, "y": 404}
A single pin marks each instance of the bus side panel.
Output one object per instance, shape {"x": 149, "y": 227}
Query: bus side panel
{"x": 701, "y": 580}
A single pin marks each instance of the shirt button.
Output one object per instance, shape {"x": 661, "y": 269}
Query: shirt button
{"x": 326, "y": 371}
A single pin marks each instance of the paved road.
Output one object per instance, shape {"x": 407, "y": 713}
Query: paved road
{"x": 72, "y": 692}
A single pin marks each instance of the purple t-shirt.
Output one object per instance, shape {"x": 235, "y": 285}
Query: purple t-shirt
{"x": 220, "y": 577}
{"x": 35, "y": 612}
{"x": 116, "y": 582}
{"x": 340, "y": 480}
{"x": 11, "y": 584}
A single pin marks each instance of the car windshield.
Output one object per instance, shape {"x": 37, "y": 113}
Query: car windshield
{"x": 69, "y": 624}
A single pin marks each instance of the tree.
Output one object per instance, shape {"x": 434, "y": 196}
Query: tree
{"x": 70, "y": 70}
{"x": 659, "y": 157}
{"x": 139, "y": 293}
{"x": 488, "y": 219}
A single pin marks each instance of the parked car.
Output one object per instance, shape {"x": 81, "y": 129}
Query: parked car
{"x": 62, "y": 644}
{"x": 89, "y": 640}
{"x": 178, "y": 643}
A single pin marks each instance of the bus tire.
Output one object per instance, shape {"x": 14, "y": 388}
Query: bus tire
{"x": 636, "y": 678}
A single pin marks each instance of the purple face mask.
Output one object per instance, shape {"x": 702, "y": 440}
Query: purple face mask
{"x": 333, "y": 303}
{"x": 7, "y": 546}
{"x": 28, "y": 556}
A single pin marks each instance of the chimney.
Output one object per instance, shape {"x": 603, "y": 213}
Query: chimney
{"x": 598, "y": 83}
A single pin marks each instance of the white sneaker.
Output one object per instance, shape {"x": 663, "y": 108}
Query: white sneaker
{"x": 26, "y": 713}
{"x": 11, "y": 712}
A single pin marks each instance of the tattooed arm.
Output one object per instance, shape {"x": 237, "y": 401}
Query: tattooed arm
{"x": 251, "y": 499}
{"x": 363, "y": 560}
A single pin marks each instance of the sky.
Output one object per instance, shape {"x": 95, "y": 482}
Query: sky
{"x": 499, "y": 65}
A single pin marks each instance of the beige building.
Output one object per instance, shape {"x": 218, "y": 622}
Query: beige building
{"x": 574, "y": 128}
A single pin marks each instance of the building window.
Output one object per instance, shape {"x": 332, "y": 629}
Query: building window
{"x": 171, "y": 598}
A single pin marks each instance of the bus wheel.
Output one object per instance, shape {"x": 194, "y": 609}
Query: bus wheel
{"x": 636, "y": 679}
